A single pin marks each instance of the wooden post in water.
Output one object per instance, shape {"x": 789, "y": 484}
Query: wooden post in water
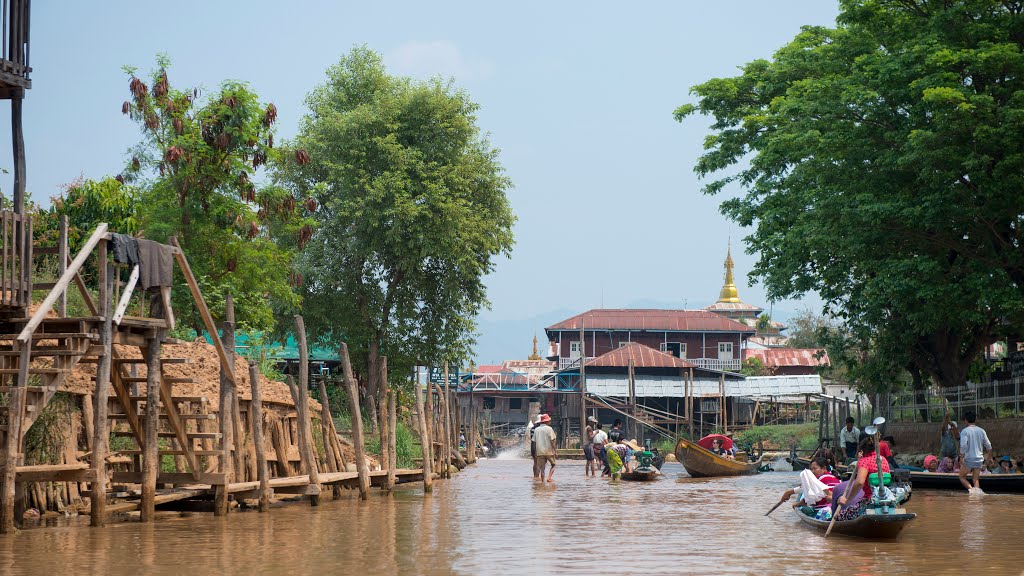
{"x": 471, "y": 435}
{"x": 256, "y": 409}
{"x": 225, "y": 408}
{"x": 151, "y": 456}
{"x": 428, "y": 421}
{"x": 382, "y": 413}
{"x": 392, "y": 434}
{"x": 357, "y": 422}
{"x": 424, "y": 429}
{"x": 101, "y": 438}
{"x": 306, "y": 445}
{"x": 446, "y": 409}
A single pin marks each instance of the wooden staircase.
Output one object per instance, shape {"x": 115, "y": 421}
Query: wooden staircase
{"x": 57, "y": 346}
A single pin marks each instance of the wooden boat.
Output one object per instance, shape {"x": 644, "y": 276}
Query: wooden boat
{"x": 880, "y": 526}
{"x": 641, "y": 475}
{"x": 701, "y": 463}
{"x": 995, "y": 483}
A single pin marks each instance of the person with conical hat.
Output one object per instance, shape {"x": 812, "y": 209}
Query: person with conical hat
{"x": 544, "y": 437}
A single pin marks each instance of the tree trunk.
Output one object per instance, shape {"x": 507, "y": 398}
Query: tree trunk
{"x": 373, "y": 383}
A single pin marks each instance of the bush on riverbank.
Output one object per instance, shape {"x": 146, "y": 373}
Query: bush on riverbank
{"x": 781, "y": 437}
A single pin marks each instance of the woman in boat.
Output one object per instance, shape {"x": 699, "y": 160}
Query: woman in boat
{"x": 816, "y": 484}
{"x": 931, "y": 463}
{"x": 860, "y": 492}
{"x": 717, "y": 450}
{"x": 830, "y": 460}
{"x": 949, "y": 465}
{"x": 616, "y": 453}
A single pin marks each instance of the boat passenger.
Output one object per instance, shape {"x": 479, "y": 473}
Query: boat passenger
{"x": 949, "y": 438}
{"x": 631, "y": 458}
{"x": 885, "y": 448}
{"x": 616, "y": 453}
{"x": 816, "y": 485}
{"x": 860, "y": 491}
{"x": 830, "y": 459}
{"x": 717, "y": 450}
{"x": 931, "y": 463}
{"x": 1005, "y": 466}
{"x": 949, "y": 465}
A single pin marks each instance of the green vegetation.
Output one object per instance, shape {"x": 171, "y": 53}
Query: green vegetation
{"x": 880, "y": 161}
{"x": 406, "y": 445}
{"x": 780, "y": 437}
{"x": 413, "y": 212}
{"x": 46, "y": 440}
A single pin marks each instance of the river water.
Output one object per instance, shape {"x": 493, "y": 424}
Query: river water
{"x": 494, "y": 519}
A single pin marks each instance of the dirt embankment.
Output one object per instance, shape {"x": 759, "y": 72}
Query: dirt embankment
{"x": 203, "y": 368}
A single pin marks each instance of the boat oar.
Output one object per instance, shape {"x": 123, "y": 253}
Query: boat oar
{"x": 774, "y": 507}
{"x": 853, "y": 478}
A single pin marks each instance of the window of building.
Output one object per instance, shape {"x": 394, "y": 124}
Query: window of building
{"x": 677, "y": 349}
{"x": 574, "y": 349}
{"x": 488, "y": 402}
{"x": 515, "y": 403}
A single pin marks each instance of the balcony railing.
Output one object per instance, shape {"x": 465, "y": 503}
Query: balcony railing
{"x": 14, "y": 44}
{"x": 717, "y": 364}
{"x": 707, "y": 363}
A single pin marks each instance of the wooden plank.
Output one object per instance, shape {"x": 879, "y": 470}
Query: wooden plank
{"x": 63, "y": 283}
{"x": 175, "y": 421}
{"x": 77, "y": 474}
{"x": 131, "y": 414}
{"x": 302, "y": 406}
{"x": 151, "y": 458}
{"x": 126, "y": 297}
{"x": 204, "y": 311}
{"x": 276, "y": 483}
{"x": 211, "y": 478}
{"x": 311, "y": 490}
{"x": 179, "y": 494}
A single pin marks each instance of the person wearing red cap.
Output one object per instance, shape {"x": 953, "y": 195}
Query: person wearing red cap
{"x": 544, "y": 437}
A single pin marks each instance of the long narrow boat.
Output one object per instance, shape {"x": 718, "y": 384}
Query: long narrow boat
{"x": 701, "y": 463}
{"x": 995, "y": 483}
{"x": 882, "y": 526}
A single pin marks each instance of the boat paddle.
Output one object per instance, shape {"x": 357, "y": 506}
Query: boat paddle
{"x": 774, "y": 507}
{"x": 853, "y": 478}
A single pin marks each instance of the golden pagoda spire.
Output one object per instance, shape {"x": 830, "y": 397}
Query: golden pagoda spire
{"x": 535, "y": 356}
{"x": 729, "y": 293}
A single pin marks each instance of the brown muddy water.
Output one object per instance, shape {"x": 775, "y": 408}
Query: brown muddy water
{"x": 494, "y": 519}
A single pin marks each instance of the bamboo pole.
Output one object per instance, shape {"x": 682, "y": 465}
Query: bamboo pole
{"x": 151, "y": 456}
{"x": 306, "y": 445}
{"x": 425, "y": 439}
{"x": 392, "y": 448}
{"x": 357, "y": 422}
{"x": 428, "y": 422}
{"x": 382, "y": 413}
{"x": 101, "y": 439}
{"x": 256, "y": 410}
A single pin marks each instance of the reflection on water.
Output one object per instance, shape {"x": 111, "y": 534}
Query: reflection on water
{"x": 493, "y": 519}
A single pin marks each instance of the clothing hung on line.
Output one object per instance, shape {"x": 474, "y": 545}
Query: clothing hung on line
{"x": 156, "y": 264}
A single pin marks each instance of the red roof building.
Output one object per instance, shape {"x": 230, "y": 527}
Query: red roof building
{"x": 702, "y": 338}
{"x": 642, "y": 357}
{"x": 790, "y": 361}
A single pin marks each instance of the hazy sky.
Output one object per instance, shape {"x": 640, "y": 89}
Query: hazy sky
{"x": 579, "y": 97}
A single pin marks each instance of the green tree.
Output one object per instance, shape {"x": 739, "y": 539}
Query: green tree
{"x": 197, "y": 167}
{"x": 885, "y": 173}
{"x": 87, "y": 203}
{"x": 413, "y": 213}
{"x": 754, "y": 367}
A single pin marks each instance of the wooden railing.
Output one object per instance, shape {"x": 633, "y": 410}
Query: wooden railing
{"x": 15, "y": 251}
{"x": 14, "y": 44}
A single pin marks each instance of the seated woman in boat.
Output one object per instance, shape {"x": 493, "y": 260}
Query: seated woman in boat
{"x": 816, "y": 484}
{"x": 616, "y": 453}
{"x": 860, "y": 492}
{"x": 717, "y": 450}
{"x": 931, "y": 463}
{"x": 830, "y": 460}
{"x": 949, "y": 465}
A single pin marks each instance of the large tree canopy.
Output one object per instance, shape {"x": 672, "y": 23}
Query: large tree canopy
{"x": 412, "y": 213}
{"x": 883, "y": 166}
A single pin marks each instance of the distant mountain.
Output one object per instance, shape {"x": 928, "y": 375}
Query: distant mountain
{"x": 501, "y": 340}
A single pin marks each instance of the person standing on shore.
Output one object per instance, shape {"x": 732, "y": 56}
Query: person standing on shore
{"x": 544, "y": 437}
{"x": 849, "y": 436}
{"x": 600, "y": 439}
{"x": 588, "y": 447}
{"x": 975, "y": 448}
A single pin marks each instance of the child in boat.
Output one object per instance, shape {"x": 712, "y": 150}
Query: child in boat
{"x": 816, "y": 484}
{"x": 931, "y": 463}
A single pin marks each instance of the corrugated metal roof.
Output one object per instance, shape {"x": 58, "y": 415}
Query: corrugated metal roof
{"x": 734, "y": 307}
{"x": 651, "y": 319}
{"x": 487, "y": 369}
{"x": 789, "y": 356}
{"x": 642, "y": 357}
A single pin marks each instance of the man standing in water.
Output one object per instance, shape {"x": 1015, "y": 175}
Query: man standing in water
{"x": 544, "y": 437}
{"x": 530, "y": 428}
{"x": 588, "y": 447}
{"x": 975, "y": 448}
{"x": 849, "y": 436}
